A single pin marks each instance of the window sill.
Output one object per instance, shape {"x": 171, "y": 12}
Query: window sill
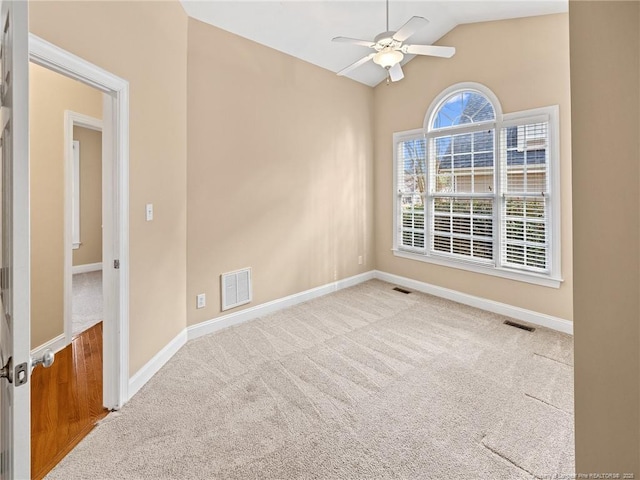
{"x": 532, "y": 278}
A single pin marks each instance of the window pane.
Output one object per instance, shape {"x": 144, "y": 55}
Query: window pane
{"x": 483, "y": 249}
{"x": 442, "y": 204}
{"x": 460, "y": 205}
{"x": 483, "y": 141}
{"x": 411, "y": 159}
{"x": 483, "y": 227}
{"x": 442, "y": 244}
{"x": 411, "y": 175}
{"x": 524, "y": 235}
{"x": 463, "y": 227}
{"x": 462, "y": 143}
{"x": 526, "y": 152}
{"x": 464, "y": 163}
{"x": 442, "y": 224}
{"x": 462, "y": 246}
{"x": 412, "y": 225}
{"x": 463, "y": 108}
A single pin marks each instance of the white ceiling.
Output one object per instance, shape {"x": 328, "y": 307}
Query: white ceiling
{"x": 304, "y": 28}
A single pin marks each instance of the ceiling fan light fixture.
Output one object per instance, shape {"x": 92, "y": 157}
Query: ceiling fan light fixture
{"x": 387, "y": 57}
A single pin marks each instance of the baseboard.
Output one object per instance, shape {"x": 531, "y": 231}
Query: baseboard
{"x": 142, "y": 376}
{"x": 261, "y": 310}
{"x": 518, "y": 313}
{"x": 86, "y": 268}
{"x": 55, "y": 345}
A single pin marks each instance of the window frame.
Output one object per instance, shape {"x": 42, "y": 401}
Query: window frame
{"x": 550, "y": 115}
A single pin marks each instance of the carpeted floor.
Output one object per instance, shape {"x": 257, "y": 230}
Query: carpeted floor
{"x": 363, "y": 383}
{"x": 86, "y": 301}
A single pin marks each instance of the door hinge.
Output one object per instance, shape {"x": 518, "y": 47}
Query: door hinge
{"x": 116, "y": 264}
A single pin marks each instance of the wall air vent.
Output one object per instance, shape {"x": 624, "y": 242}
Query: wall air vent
{"x": 519, "y": 325}
{"x": 236, "y": 288}
{"x": 401, "y": 290}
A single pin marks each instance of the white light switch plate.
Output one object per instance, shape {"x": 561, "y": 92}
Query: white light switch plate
{"x": 149, "y": 212}
{"x": 201, "y": 300}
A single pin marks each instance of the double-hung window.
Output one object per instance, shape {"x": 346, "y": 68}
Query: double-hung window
{"x": 478, "y": 190}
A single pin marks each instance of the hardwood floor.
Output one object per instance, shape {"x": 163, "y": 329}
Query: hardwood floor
{"x": 66, "y": 400}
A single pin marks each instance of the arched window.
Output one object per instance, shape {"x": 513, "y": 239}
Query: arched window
{"x": 462, "y": 107}
{"x": 475, "y": 188}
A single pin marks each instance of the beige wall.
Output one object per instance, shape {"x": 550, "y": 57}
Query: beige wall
{"x": 90, "y": 249}
{"x": 525, "y": 62}
{"x": 50, "y": 94}
{"x": 605, "y": 79}
{"x": 279, "y": 172}
{"x": 146, "y": 44}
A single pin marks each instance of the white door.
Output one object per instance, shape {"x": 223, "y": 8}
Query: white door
{"x": 15, "y": 404}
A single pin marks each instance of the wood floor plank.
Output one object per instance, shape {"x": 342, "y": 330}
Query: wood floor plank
{"x": 66, "y": 400}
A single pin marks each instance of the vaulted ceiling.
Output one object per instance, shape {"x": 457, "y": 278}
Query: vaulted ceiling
{"x": 304, "y": 29}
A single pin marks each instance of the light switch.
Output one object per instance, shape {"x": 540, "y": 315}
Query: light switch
{"x": 149, "y": 211}
{"x": 201, "y": 300}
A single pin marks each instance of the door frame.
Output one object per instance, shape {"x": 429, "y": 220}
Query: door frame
{"x": 115, "y": 181}
{"x": 72, "y": 120}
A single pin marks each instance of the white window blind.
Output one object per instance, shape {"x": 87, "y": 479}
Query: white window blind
{"x": 411, "y": 188}
{"x": 525, "y": 195}
{"x": 462, "y": 198}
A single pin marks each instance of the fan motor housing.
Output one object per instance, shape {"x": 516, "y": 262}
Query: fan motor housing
{"x": 385, "y": 39}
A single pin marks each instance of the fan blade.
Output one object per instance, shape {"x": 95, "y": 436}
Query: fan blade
{"x": 354, "y": 41}
{"x": 395, "y": 73}
{"x": 433, "y": 50}
{"x": 355, "y": 65}
{"x": 412, "y": 26}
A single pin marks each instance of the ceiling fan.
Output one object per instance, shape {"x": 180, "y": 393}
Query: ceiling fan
{"x": 390, "y": 49}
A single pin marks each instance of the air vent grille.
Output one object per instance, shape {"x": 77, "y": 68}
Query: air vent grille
{"x": 236, "y": 288}
{"x": 519, "y": 325}
{"x": 401, "y": 290}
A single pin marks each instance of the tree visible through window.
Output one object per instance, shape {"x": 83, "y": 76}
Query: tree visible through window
{"x": 476, "y": 185}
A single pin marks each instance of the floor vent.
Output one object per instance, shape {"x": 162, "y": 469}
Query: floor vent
{"x": 236, "y": 288}
{"x": 401, "y": 290}
{"x": 519, "y": 325}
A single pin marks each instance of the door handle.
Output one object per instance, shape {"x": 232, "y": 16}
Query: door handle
{"x": 46, "y": 360}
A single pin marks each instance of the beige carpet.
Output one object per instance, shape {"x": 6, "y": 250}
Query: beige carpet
{"x": 364, "y": 383}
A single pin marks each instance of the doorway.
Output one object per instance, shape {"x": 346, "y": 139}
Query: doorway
{"x": 115, "y": 181}
{"x": 66, "y": 261}
{"x": 100, "y": 337}
{"x": 83, "y": 295}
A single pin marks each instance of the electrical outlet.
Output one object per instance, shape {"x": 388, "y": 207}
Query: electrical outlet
{"x": 201, "y": 300}
{"x": 360, "y": 260}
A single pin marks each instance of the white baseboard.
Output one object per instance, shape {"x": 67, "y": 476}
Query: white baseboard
{"x": 518, "y": 313}
{"x": 224, "y": 321}
{"x": 142, "y": 376}
{"x": 86, "y": 268}
{"x": 55, "y": 345}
